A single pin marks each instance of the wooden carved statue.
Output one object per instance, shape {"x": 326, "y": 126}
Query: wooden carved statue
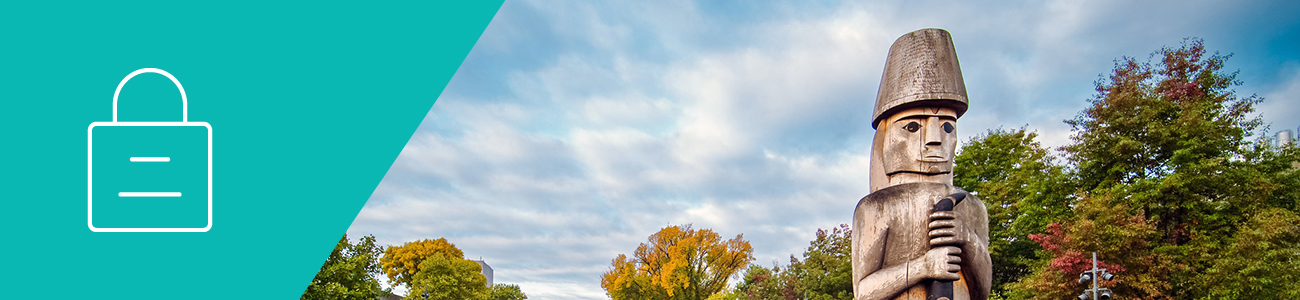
{"x": 906, "y": 243}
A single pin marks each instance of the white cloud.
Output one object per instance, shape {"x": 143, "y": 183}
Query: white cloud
{"x": 699, "y": 143}
{"x": 1281, "y": 106}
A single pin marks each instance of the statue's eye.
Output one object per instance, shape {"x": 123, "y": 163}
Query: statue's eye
{"x": 912, "y": 127}
{"x": 947, "y": 127}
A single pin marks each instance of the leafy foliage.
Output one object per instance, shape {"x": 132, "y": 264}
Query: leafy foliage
{"x": 824, "y": 273}
{"x": 677, "y": 262}
{"x": 401, "y": 263}
{"x": 1023, "y": 190}
{"x": 1172, "y": 132}
{"x": 446, "y": 277}
{"x": 435, "y": 266}
{"x": 348, "y": 273}
{"x": 1123, "y": 245}
{"x": 1168, "y": 190}
{"x": 506, "y": 292}
{"x": 1260, "y": 262}
{"x": 761, "y": 283}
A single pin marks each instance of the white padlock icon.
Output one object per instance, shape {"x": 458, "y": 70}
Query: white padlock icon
{"x": 149, "y": 176}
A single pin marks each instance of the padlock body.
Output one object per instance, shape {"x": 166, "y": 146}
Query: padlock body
{"x": 149, "y": 176}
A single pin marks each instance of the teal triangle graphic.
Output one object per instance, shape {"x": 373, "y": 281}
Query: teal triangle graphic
{"x": 308, "y": 105}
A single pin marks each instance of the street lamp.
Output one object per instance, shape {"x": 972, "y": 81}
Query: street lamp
{"x": 425, "y": 291}
{"x": 1092, "y": 275}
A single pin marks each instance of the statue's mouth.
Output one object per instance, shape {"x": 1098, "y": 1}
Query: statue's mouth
{"x": 935, "y": 172}
{"x": 934, "y": 159}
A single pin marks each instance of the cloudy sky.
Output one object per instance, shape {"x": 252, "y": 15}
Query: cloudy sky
{"x": 574, "y": 130}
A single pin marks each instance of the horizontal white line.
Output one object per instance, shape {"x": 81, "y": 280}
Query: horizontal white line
{"x": 148, "y": 194}
{"x": 151, "y": 159}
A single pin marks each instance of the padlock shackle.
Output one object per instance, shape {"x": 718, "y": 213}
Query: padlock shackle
{"x": 185, "y": 106}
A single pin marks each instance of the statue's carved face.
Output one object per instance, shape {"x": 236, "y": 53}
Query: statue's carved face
{"x": 920, "y": 140}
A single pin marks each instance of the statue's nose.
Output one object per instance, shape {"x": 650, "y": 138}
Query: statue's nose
{"x": 933, "y": 134}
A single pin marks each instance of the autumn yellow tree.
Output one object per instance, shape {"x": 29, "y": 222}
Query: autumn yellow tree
{"x": 401, "y": 263}
{"x": 678, "y": 262}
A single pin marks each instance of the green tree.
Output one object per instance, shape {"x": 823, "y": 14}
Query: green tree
{"x": 1260, "y": 262}
{"x": 760, "y": 283}
{"x": 446, "y": 277}
{"x": 348, "y": 273}
{"x": 1165, "y": 178}
{"x": 1023, "y": 189}
{"x": 506, "y": 292}
{"x": 1174, "y": 132}
{"x": 824, "y": 273}
{"x": 1123, "y": 242}
{"x": 678, "y": 262}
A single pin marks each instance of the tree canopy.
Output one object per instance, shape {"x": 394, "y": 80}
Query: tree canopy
{"x": 444, "y": 277}
{"x": 348, "y": 273}
{"x": 401, "y": 263}
{"x": 435, "y": 266}
{"x": 825, "y": 272}
{"x": 506, "y": 292}
{"x": 1169, "y": 190}
{"x": 1023, "y": 190}
{"x": 678, "y": 262}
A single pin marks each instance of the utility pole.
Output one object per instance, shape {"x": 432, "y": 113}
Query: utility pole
{"x": 1098, "y": 293}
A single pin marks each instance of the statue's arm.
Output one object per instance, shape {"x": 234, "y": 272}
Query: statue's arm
{"x": 872, "y": 280}
{"x": 980, "y": 271}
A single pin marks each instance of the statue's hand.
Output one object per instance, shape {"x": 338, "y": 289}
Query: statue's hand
{"x": 943, "y": 263}
{"x": 946, "y": 230}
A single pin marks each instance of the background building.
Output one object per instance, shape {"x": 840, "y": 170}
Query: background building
{"x": 487, "y": 270}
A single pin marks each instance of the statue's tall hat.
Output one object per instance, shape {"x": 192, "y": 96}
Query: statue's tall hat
{"x": 921, "y": 70}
